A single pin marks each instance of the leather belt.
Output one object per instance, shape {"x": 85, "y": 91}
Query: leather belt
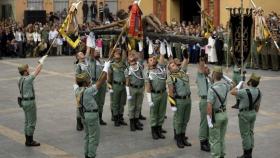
{"x": 182, "y": 97}
{"x": 203, "y": 97}
{"x": 136, "y": 86}
{"x": 28, "y": 99}
{"x": 94, "y": 110}
{"x": 119, "y": 83}
{"x": 158, "y": 92}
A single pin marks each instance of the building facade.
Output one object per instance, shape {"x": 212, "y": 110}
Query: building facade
{"x": 165, "y": 10}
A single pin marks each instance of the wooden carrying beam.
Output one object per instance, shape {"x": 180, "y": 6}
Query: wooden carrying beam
{"x": 161, "y": 36}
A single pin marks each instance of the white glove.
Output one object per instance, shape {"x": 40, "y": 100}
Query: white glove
{"x": 227, "y": 79}
{"x": 149, "y": 98}
{"x": 151, "y": 48}
{"x": 106, "y": 66}
{"x": 129, "y": 97}
{"x": 169, "y": 51}
{"x": 140, "y": 46}
{"x": 162, "y": 48}
{"x": 240, "y": 84}
{"x": 75, "y": 87}
{"x": 42, "y": 60}
{"x": 209, "y": 121}
{"x": 90, "y": 40}
{"x": 174, "y": 109}
{"x": 111, "y": 91}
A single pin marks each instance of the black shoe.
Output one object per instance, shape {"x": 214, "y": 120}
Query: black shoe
{"x": 162, "y": 130}
{"x": 121, "y": 120}
{"x": 141, "y": 117}
{"x": 160, "y": 135}
{"x": 179, "y": 141}
{"x": 79, "y": 125}
{"x": 165, "y": 117}
{"x": 103, "y": 123}
{"x": 132, "y": 125}
{"x": 185, "y": 141}
{"x": 154, "y": 133}
{"x": 30, "y": 142}
{"x": 137, "y": 126}
{"x": 116, "y": 121}
{"x": 204, "y": 145}
{"x": 246, "y": 154}
{"x": 139, "y": 123}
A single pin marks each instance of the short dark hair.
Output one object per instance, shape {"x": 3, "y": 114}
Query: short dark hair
{"x": 218, "y": 76}
{"x": 254, "y": 83}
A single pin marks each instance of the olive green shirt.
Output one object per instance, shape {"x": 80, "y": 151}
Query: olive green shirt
{"x": 26, "y": 83}
{"x": 222, "y": 89}
{"x": 156, "y": 77}
{"x": 244, "y": 99}
{"x": 81, "y": 67}
{"x": 180, "y": 82}
{"x": 117, "y": 70}
{"x": 95, "y": 68}
{"x": 88, "y": 102}
{"x": 203, "y": 84}
{"x": 135, "y": 75}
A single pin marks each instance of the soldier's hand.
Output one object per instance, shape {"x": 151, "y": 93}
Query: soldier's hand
{"x": 129, "y": 97}
{"x": 174, "y": 108}
{"x": 42, "y": 60}
{"x": 150, "y": 104}
{"x": 106, "y": 66}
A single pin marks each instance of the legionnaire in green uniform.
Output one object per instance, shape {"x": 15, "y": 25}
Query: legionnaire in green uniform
{"x": 236, "y": 77}
{"x": 27, "y": 100}
{"x": 95, "y": 66}
{"x": 80, "y": 67}
{"x": 134, "y": 90}
{"x": 155, "y": 85}
{"x": 250, "y": 99}
{"x": 88, "y": 108}
{"x": 116, "y": 78}
{"x": 180, "y": 99}
{"x": 203, "y": 82}
{"x": 216, "y": 112}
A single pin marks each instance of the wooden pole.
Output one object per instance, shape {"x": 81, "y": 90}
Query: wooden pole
{"x": 242, "y": 42}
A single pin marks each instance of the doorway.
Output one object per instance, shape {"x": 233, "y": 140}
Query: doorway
{"x": 190, "y": 11}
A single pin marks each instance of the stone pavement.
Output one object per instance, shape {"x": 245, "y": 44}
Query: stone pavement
{"x": 56, "y": 132}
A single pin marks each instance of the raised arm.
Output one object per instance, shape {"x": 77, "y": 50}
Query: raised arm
{"x": 39, "y": 66}
{"x": 104, "y": 74}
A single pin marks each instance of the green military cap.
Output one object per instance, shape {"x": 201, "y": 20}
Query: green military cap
{"x": 82, "y": 77}
{"x": 22, "y": 67}
{"x": 255, "y": 77}
{"x": 218, "y": 69}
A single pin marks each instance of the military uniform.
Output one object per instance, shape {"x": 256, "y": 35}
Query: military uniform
{"x": 80, "y": 68}
{"x": 157, "y": 80}
{"x": 86, "y": 101}
{"x": 217, "y": 97}
{"x": 203, "y": 83}
{"x": 182, "y": 96}
{"x": 95, "y": 69}
{"x": 28, "y": 105}
{"x": 136, "y": 89}
{"x": 119, "y": 92}
{"x": 249, "y": 99}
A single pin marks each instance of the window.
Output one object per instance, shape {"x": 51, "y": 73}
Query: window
{"x": 35, "y": 4}
{"x": 60, "y": 5}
